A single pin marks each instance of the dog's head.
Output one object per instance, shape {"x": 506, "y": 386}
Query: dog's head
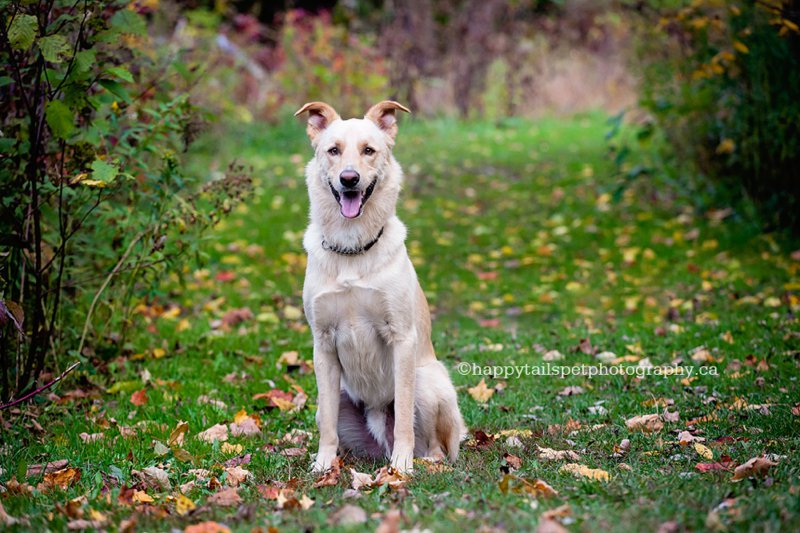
{"x": 352, "y": 154}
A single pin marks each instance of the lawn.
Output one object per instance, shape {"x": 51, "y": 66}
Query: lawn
{"x": 529, "y": 255}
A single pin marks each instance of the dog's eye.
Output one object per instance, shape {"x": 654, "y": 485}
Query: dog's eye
{"x": 334, "y": 151}
{"x": 368, "y": 151}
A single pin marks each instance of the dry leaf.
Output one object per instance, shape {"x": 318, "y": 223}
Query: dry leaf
{"x": 703, "y": 451}
{"x": 549, "y": 454}
{"x": 216, "y": 432}
{"x": 141, "y": 496}
{"x": 93, "y": 437}
{"x": 139, "y": 398}
{"x": 246, "y": 428}
{"x": 207, "y": 527}
{"x": 184, "y": 505}
{"x": 517, "y": 485}
{"x": 684, "y": 438}
{"x": 237, "y": 475}
{"x": 572, "y": 390}
{"x": 547, "y": 525}
{"x": 348, "y": 516}
{"x": 154, "y": 477}
{"x": 645, "y": 423}
{"x": 231, "y": 449}
{"x": 755, "y": 467}
{"x": 331, "y": 477}
{"x": 225, "y": 498}
{"x": 512, "y": 462}
{"x": 360, "y": 480}
{"x": 61, "y": 478}
{"x": 37, "y": 469}
{"x": 481, "y": 392}
{"x": 178, "y": 434}
{"x": 579, "y": 470}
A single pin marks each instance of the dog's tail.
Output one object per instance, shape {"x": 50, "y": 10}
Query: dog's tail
{"x": 450, "y": 428}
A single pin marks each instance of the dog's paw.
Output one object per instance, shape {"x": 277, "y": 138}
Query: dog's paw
{"x": 403, "y": 462}
{"x": 322, "y": 462}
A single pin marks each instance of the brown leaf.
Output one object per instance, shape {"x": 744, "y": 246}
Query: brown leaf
{"x": 236, "y": 475}
{"x": 216, "y": 432}
{"x": 37, "y": 469}
{"x": 62, "y": 478}
{"x": 246, "y": 428}
{"x": 139, "y": 398}
{"x": 572, "y": 390}
{"x": 235, "y": 317}
{"x": 512, "y": 462}
{"x": 547, "y": 525}
{"x": 88, "y": 438}
{"x": 645, "y": 423}
{"x": 207, "y": 527}
{"x": 549, "y": 454}
{"x": 516, "y": 485}
{"x": 332, "y": 476}
{"x": 347, "y": 516}
{"x": 755, "y": 467}
{"x": 154, "y": 477}
{"x": 225, "y": 498}
{"x": 178, "y": 434}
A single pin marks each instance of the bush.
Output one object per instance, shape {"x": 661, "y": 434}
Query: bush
{"x": 92, "y": 192}
{"x": 721, "y": 78}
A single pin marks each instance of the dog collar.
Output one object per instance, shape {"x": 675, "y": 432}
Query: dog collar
{"x": 351, "y": 251}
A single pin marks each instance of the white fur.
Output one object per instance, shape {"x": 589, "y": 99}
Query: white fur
{"x": 367, "y": 312}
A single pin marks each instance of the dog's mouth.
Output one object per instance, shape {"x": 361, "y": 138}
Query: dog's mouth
{"x": 351, "y": 201}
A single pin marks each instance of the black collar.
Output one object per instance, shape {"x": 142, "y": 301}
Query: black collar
{"x": 351, "y": 251}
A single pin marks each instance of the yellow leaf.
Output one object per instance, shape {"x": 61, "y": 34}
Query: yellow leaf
{"x": 231, "y": 449}
{"x": 183, "y": 504}
{"x": 579, "y": 470}
{"x": 481, "y": 392}
{"x": 703, "y": 451}
{"x": 141, "y": 496}
{"x": 741, "y": 47}
{"x": 726, "y": 146}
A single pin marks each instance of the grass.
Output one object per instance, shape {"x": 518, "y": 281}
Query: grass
{"x": 521, "y": 251}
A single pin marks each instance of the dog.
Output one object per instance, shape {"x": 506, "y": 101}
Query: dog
{"x": 382, "y": 392}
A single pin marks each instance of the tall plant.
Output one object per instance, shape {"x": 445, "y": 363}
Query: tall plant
{"x": 92, "y": 193}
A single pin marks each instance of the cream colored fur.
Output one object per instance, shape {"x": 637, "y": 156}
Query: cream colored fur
{"x": 367, "y": 312}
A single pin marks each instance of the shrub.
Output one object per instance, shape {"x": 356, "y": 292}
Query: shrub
{"x": 721, "y": 78}
{"x": 92, "y": 192}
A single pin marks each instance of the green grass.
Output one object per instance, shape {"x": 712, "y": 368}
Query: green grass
{"x": 519, "y": 252}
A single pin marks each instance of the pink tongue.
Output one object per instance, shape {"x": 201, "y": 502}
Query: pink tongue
{"x": 351, "y": 206}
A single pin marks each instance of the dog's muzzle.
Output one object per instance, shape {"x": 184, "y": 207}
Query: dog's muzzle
{"x": 351, "y": 199}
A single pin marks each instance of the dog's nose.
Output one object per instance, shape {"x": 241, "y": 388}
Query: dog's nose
{"x": 349, "y": 178}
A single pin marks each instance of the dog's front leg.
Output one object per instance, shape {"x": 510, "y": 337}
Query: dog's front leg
{"x": 328, "y": 372}
{"x": 404, "y": 378}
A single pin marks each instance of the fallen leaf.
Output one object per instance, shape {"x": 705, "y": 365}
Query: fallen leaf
{"x": 141, "y": 496}
{"x": 347, "y": 516}
{"x": 645, "y": 423}
{"x": 178, "y": 434}
{"x": 549, "y": 454}
{"x": 572, "y": 390}
{"x": 37, "y": 469}
{"x": 93, "y": 437}
{"x": 360, "y": 480}
{"x": 216, "y": 432}
{"x": 225, "y": 498}
{"x": 755, "y": 467}
{"x": 154, "y": 477}
{"x": 139, "y": 398}
{"x": 184, "y": 505}
{"x": 231, "y": 449}
{"x": 5, "y": 518}
{"x": 207, "y": 527}
{"x": 480, "y": 392}
{"x": 511, "y": 463}
{"x": 390, "y": 522}
{"x": 61, "y": 478}
{"x": 547, "y": 525}
{"x": 237, "y": 475}
{"x": 579, "y": 470}
{"x": 247, "y": 428}
{"x": 703, "y": 451}
{"x": 331, "y": 477}
{"x": 516, "y": 485}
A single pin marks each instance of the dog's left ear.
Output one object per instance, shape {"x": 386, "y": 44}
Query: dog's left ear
{"x": 320, "y": 116}
{"x": 383, "y": 115}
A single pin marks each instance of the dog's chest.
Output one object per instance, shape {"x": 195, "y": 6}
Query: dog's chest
{"x": 351, "y": 319}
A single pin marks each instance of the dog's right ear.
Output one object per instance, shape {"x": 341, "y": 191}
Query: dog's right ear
{"x": 320, "y": 116}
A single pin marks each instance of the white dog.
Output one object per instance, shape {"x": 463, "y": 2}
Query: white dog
{"x": 382, "y": 393}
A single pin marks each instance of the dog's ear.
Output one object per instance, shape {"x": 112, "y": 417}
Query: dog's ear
{"x": 320, "y": 116}
{"x": 383, "y": 115}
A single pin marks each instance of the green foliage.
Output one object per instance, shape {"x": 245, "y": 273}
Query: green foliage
{"x": 93, "y": 193}
{"x": 719, "y": 76}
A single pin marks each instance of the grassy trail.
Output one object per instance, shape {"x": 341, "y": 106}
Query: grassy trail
{"x": 526, "y": 260}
